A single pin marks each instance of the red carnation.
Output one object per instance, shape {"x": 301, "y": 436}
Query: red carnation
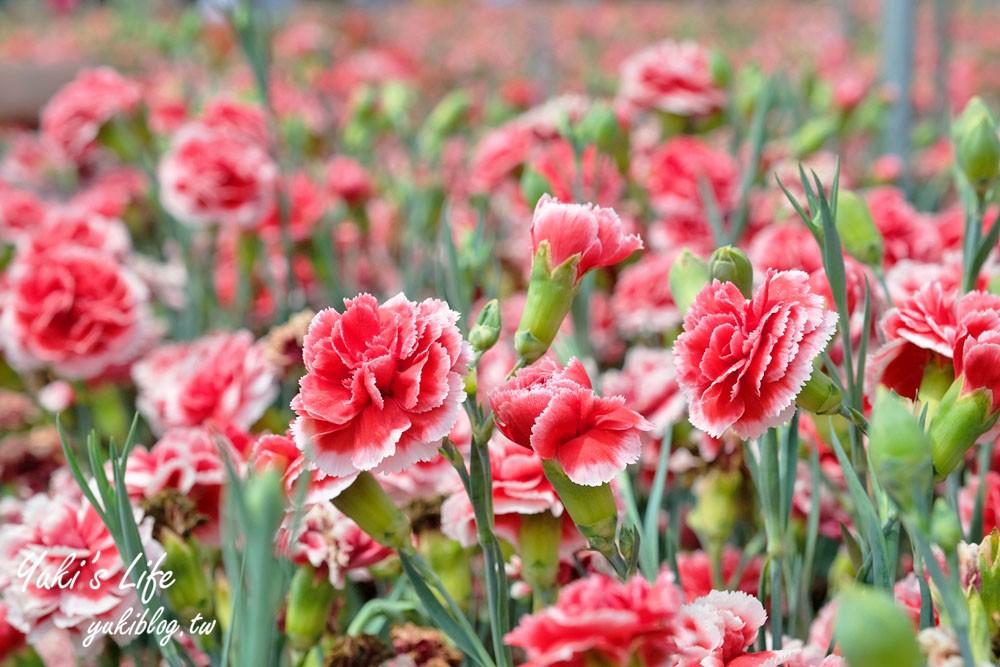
{"x": 740, "y": 362}
{"x": 383, "y": 386}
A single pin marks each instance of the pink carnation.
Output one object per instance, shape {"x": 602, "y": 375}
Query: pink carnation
{"x": 79, "y": 227}
{"x": 21, "y": 213}
{"x": 383, "y": 384}
{"x": 223, "y": 378}
{"x": 642, "y": 303}
{"x": 672, "y": 77}
{"x": 675, "y": 172}
{"x": 605, "y": 620}
{"x": 73, "y": 117}
{"x": 346, "y": 179}
{"x": 186, "y": 460}
{"x": 280, "y": 453}
{"x": 215, "y": 176}
{"x": 332, "y": 543}
{"x": 594, "y": 234}
{"x": 64, "y": 535}
{"x": 648, "y": 382}
{"x": 555, "y": 412}
{"x": 74, "y": 310}
{"x": 740, "y": 362}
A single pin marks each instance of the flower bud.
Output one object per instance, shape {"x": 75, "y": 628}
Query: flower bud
{"x": 977, "y": 146}
{"x": 900, "y": 453}
{"x": 857, "y": 229}
{"x": 731, "y": 265}
{"x": 265, "y": 499}
{"x": 872, "y": 631}
{"x": 813, "y": 134}
{"x": 989, "y": 573}
{"x": 450, "y": 560}
{"x": 533, "y": 186}
{"x": 721, "y": 68}
{"x": 716, "y": 508}
{"x": 188, "y": 595}
{"x": 373, "y": 510}
{"x": 397, "y": 98}
{"x": 946, "y": 531}
{"x": 688, "y": 275}
{"x": 486, "y": 331}
{"x": 310, "y": 600}
{"x": 820, "y": 395}
{"x": 447, "y": 115}
{"x": 961, "y": 419}
{"x": 600, "y": 127}
{"x": 550, "y": 296}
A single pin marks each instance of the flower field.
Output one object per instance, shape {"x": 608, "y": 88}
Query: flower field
{"x": 560, "y": 334}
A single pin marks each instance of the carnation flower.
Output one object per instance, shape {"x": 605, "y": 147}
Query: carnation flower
{"x": 280, "y": 453}
{"x": 329, "y": 541}
{"x": 216, "y": 176}
{"x": 306, "y": 205}
{"x": 594, "y": 234}
{"x": 21, "y": 213}
{"x": 63, "y": 539}
{"x": 244, "y": 119}
{"x": 642, "y": 302}
{"x": 74, "y": 310}
{"x": 605, "y": 620}
{"x": 223, "y": 378}
{"x": 672, "y": 77}
{"x": 383, "y": 384}
{"x": 73, "y": 117}
{"x": 78, "y": 227}
{"x": 555, "y": 412}
{"x": 348, "y": 180}
{"x": 648, "y": 382}
{"x": 675, "y": 172}
{"x": 187, "y": 461}
{"x": 741, "y": 363}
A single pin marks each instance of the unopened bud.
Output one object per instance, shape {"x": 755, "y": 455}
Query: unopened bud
{"x": 961, "y": 418}
{"x": 550, "y": 296}
{"x": 600, "y": 127}
{"x": 688, "y": 275}
{"x": 946, "y": 531}
{"x": 717, "y": 506}
{"x": 731, "y": 265}
{"x": 310, "y": 600}
{"x": 977, "y": 146}
{"x": 900, "y": 453}
{"x": 533, "y": 186}
{"x": 486, "y": 331}
{"x": 857, "y": 229}
{"x": 872, "y": 631}
{"x": 820, "y": 395}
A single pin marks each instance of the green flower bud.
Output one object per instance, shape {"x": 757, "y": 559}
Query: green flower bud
{"x": 486, "y": 331}
{"x": 600, "y": 127}
{"x": 189, "y": 593}
{"x": 900, "y": 453}
{"x": 533, "y": 186}
{"x": 989, "y": 574}
{"x": 721, "y": 68}
{"x": 265, "y": 499}
{"x": 820, "y": 395}
{"x": 872, "y": 631}
{"x": 731, "y": 265}
{"x": 688, "y": 275}
{"x": 959, "y": 421}
{"x": 717, "y": 507}
{"x": 451, "y": 562}
{"x": 980, "y": 630}
{"x": 310, "y": 601}
{"x": 813, "y": 134}
{"x": 373, "y": 510}
{"x": 396, "y": 98}
{"x": 857, "y": 230}
{"x": 946, "y": 531}
{"x": 448, "y": 114}
{"x": 977, "y": 146}
{"x": 550, "y": 296}
{"x": 937, "y": 379}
